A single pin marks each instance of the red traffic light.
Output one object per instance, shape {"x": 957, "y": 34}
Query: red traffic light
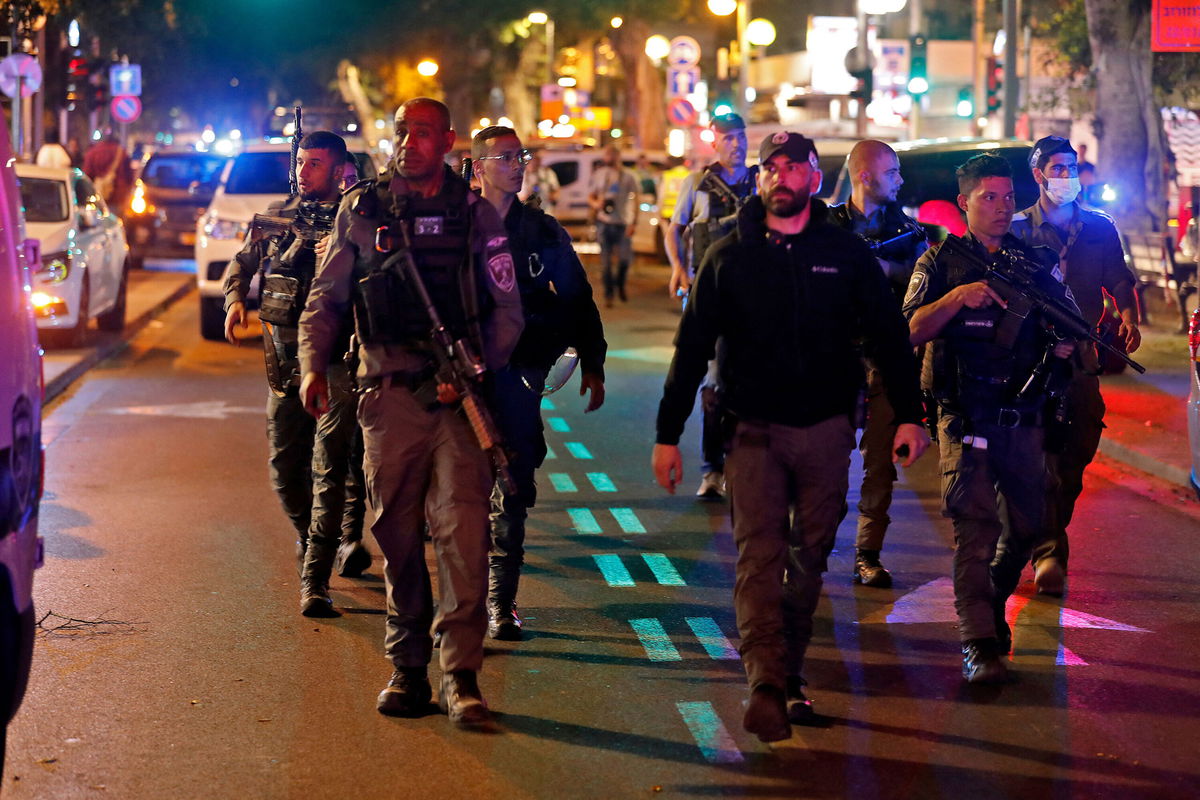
{"x": 77, "y": 67}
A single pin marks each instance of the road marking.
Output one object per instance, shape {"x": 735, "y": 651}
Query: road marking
{"x": 579, "y": 450}
{"x": 602, "y": 482}
{"x": 550, "y": 453}
{"x": 663, "y": 570}
{"x": 547, "y": 404}
{"x": 584, "y": 521}
{"x": 710, "y": 734}
{"x": 562, "y": 482}
{"x": 659, "y": 354}
{"x": 558, "y": 424}
{"x": 1077, "y": 619}
{"x": 655, "y": 640}
{"x": 613, "y": 570}
{"x": 1067, "y": 658}
{"x": 714, "y": 641}
{"x": 211, "y": 409}
{"x": 627, "y": 520}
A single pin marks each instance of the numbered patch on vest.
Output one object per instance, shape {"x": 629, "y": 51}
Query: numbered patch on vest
{"x": 428, "y": 226}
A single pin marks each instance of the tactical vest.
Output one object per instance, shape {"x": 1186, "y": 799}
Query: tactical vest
{"x": 387, "y": 309}
{"x": 972, "y": 372}
{"x": 547, "y": 318}
{"x": 720, "y": 207}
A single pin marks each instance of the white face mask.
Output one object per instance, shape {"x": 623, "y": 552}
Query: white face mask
{"x": 1062, "y": 190}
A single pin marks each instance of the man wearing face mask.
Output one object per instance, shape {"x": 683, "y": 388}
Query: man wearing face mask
{"x": 1092, "y": 263}
{"x": 792, "y": 295}
{"x": 559, "y": 311}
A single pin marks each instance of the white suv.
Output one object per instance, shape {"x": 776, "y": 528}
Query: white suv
{"x": 250, "y": 182}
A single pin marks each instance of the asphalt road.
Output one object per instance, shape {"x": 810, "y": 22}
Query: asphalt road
{"x": 173, "y": 662}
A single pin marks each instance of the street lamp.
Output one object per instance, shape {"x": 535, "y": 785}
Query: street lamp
{"x": 427, "y": 68}
{"x": 657, "y": 47}
{"x": 764, "y": 34}
{"x": 542, "y": 18}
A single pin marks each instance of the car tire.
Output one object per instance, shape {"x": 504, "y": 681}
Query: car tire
{"x": 113, "y": 320}
{"x": 212, "y": 319}
{"x": 77, "y": 335}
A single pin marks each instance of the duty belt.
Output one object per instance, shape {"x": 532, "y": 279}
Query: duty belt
{"x": 1013, "y": 417}
{"x": 409, "y": 379}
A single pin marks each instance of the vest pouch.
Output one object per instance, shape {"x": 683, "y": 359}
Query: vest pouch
{"x": 374, "y": 317}
{"x": 282, "y": 300}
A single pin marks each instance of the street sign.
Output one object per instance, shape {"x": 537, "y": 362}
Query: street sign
{"x": 682, "y": 82}
{"x": 681, "y": 113}
{"x": 125, "y": 80}
{"x": 684, "y": 52}
{"x": 22, "y": 67}
{"x": 125, "y": 108}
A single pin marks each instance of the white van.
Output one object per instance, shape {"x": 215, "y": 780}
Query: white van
{"x": 21, "y": 463}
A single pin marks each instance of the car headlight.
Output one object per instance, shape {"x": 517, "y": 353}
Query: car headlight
{"x": 138, "y": 203}
{"x": 55, "y": 267}
{"x": 219, "y": 228}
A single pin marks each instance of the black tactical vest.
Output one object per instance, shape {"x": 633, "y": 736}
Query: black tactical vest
{"x": 720, "y": 207}
{"x": 533, "y": 244}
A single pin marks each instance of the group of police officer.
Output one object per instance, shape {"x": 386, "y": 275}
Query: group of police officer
{"x": 795, "y": 310}
{"x": 406, "y": 312}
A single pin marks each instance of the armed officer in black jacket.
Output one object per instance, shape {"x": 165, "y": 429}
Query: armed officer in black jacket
{"x": 873, "y": 213}
{"x": 792, "y": 295}
{"x": 991, "y": 429}
{"x": 556, "y": 300}
{"x": 310, "y": 460}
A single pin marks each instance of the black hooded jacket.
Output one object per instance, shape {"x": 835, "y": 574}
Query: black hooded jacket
{"x": 791, "y": 310}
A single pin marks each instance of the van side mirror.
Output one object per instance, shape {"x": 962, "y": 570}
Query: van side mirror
{"x": 33, "y": 253}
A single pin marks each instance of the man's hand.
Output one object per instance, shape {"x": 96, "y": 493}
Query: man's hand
{"x": 595, "y": 385}
{"x": 1130, "y": 335}
{"x": 314, "y": 393}
{"x": 911, "y": 441}
{"x": 978, "y": 295}
{"x": 679, "y": 282}
{"x": 1064, "y": 348}
{"x": 630, "y": 229}
{"x": 447, "y": 394}
{"x": 668, "y": 466}
{"x": 322, "y": 246}
{"x": 235, "y": 316}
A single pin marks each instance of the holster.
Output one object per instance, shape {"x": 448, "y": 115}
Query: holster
{"x": 282, "y": 360}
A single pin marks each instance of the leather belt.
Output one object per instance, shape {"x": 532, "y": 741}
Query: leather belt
{"x": 409, "y": 379}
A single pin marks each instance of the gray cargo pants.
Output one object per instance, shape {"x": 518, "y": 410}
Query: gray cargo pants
{"x": 425, "y": 466}
{"x": 787, "y": 487}
{"x": 879, "y": 471}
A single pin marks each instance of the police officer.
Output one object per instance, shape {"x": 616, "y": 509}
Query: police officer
{"x": 706, "y": 211}
{"x": 1092, "y": 261}
{"x": 422, "y": 462}
{"x": 792, "y": 295}
{"x": 990, "y": 434}
{"x": 613, "y": 197}
{"x": 309, "y": 460}
{"x": 873, "y": 213}
{"x": 559, "y": 313}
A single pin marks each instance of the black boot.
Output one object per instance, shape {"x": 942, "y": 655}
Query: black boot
{"x": 982, "y": 662}
{"x": 301, "y": 549}
{"x": 766, "y": 714}
{"x": 503, "y": 622}
{"x": 353, "y": 558}
{"x": 868, "y": 571}
{"x": 461, "y": 700}
{"x": 407, "y": 694}
{"x": 314, "y": 580}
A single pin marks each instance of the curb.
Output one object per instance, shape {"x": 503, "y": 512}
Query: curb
{"x": 1146, "y": 463}
{"x": 133, "y": 327}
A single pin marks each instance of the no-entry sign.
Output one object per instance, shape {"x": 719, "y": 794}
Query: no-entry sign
{"x": 125, "y": 108}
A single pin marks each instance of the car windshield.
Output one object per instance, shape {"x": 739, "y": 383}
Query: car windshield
{"x": 930, "y": 175}
{"x": 179, "y": 171}
{"x": 259, "y": 173}
{"x": 45, "y": 199}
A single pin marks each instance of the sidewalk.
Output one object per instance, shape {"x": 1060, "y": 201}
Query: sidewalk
{"x": 151, "y": 291}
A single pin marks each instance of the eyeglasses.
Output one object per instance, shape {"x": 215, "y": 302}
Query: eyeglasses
{"x": 522, "y": 157}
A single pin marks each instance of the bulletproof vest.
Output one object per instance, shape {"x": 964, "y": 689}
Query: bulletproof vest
{"x": 388, "y": 309}
{"x": 545, "y": 335}
{"x": 972, "y": 369}
{"x": 720, "y": 207}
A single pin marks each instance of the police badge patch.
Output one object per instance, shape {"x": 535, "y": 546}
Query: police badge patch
{"x": 500, "y": 268}
{"x": 916, "y": 286}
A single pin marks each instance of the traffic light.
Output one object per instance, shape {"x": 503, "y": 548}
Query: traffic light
{"x": 866, "y": 84}
{"x": 76, "y": 78}
{"x": 918, "y": 69}
{"x": 97, "y": 89}
{"x": 995, "y": 84}
{"x": 965, "y": 107}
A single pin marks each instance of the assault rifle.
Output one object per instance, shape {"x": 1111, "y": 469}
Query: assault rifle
{"x": 1011, "y": 275}
{"x": 297, "y": 134}
{"x": 313, "y": 221}
{"x": 457, "y": 365}
{"x": 885, "y": 248}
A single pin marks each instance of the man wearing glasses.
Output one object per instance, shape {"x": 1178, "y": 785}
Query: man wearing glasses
{"x": 556, "y": 299}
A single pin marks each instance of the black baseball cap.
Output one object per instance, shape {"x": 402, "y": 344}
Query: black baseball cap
{"x": 727, "y": 123}
{"x": 1048, "y": 146}
{"x": 795, "y": 146}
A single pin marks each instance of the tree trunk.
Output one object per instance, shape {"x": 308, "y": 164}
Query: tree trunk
{"x": 645, "y": 113}
{"x": 1128, "y": 121}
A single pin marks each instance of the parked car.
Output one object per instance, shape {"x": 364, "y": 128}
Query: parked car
{"x": 175, "y": 187}
{"x": 21, "y": 462}
{"x": 1193, "y": 405}
{"x": 251, "y": 181}
{"x": 84, "y": 261}
{"x": 930, "y": 190}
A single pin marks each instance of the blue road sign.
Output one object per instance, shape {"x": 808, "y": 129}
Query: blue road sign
{"x": 682, "y": 81}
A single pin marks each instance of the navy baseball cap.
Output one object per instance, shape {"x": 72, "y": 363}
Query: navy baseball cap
{"x": 728, "y": 123}
{"x": 795, "y": 146}
{"x": 1048, "y": 146}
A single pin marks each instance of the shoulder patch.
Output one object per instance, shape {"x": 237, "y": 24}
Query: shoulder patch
{"x": 501, "y": 271}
